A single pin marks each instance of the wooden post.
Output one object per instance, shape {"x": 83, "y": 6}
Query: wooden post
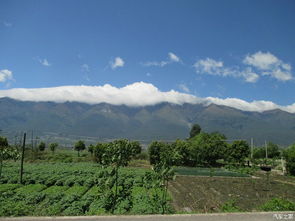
{"x": 22, "y": 160}
{"x": 283, "y": 166}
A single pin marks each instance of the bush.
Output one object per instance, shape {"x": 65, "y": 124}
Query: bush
{"x": 289, "y": 155}
{"x": 278, "y": 204}
{"x": 230, "y": 206}
{"x": 237, "y": 152}
{"x": 42, "y": 146}
{"x": 242, "y": 170}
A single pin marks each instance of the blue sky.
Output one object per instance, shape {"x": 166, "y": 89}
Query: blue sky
{"x": 221, "y": 49}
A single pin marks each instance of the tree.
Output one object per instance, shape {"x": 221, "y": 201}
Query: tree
{"x": 135, "y": 148}
{"x": 42, "y": 146}
{"x": 195, "y": 130}
{"x": 289, "y": 155}
{"x": 121, "y": 151}
{"x": 181, "y": 153}
{"x": 273, "y": 150}
{"x": 53, "y": 146}
{"x": 99, "y": 152}
{"x": 91, "y": 149}
{"x": 116, "y": 154}
{"x": 6, "y": 152}
{"x": 259, "y": 152}
{"x": 163, "y": 156}
{"x": 207, "y": 148}
{"x": 79, "y": 146}
{"x": 154, "y": 151}
{"x": 238, "y": 151}
{"x": 3, "y": 147}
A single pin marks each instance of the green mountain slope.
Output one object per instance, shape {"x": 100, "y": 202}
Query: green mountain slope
{"x": 163, "y": 121}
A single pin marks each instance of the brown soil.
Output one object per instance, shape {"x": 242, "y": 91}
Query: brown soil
{"x": 208, "y": 194}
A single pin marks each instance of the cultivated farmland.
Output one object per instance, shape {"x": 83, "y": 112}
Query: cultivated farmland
{"x": 71, "y": 189}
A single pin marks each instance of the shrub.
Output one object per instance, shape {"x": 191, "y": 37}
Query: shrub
{"x": 278, "y": 204}
{"x": 230, "y": 206}
{"x": 42, "y": 146}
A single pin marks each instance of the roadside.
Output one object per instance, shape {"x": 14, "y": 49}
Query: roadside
{"x": 262, "y": 216}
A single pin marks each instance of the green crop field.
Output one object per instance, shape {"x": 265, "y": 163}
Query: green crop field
{"x": 60, "y": 174}
{"x": 207, "y": 172}
{"x": 67, "y": 189}
{"x": 53, "y": 189}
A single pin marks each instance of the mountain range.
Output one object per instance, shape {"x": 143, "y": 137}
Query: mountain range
{"x": 164, "y": 121}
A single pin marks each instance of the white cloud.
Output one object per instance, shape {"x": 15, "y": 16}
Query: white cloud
{"x": 249, "y": 75}
{"x": 155, "y": 63}
{"x": 279, "y": 74}
{"x": 132, "y": 95}
{"x": 269, "y": 64}
{"x": 5, "y": 75}
{"x": 209, "y": 66}
{"x": 184, "y": 88}
{"x": 259, "y": 63}
{"x": 263, "y": 61}
{"x": 118, "y": 62}
{"x": 44, "y": 62}
{"x": 214, "y": 67}
{"x": 259, "y": 106}
{"x": 171, "y": 58}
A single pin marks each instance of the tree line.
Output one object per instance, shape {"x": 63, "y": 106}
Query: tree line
{"x": 209, "y": 149}
{"x": 200, "y": 149}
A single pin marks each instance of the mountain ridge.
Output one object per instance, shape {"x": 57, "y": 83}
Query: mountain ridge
{"x": 163, "y": 121}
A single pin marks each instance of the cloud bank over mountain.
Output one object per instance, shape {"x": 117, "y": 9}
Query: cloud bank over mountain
{"x": 136, "y": 94}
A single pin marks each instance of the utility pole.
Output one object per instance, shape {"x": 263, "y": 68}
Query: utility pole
{"x": 22, "y": 160}
{"x": 15, "y": 137}
{"x": 265, "y": 144}
{"x": 32, "y": 140}
{"x": 283, "y": 166}
{"x": 251, "y": 148}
